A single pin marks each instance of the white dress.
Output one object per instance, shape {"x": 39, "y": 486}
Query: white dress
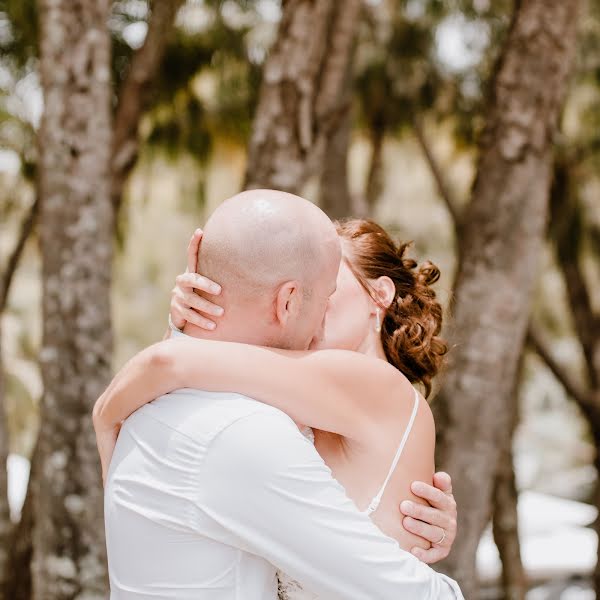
{"x": 290, "y": 589}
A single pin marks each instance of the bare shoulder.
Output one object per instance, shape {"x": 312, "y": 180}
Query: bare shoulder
{"x": 424, "y": 424}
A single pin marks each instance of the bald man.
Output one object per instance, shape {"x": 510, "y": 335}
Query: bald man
{"x": 207, "y": 493}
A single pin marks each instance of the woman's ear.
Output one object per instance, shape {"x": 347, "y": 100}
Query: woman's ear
{"x": 287, "y": 302}
{"x": 385, "y": 291}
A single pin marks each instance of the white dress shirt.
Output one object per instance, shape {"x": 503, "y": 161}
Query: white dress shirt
{"x": 207, "y": 492}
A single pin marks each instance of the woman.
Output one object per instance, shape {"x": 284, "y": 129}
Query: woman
{"x": 353, "y": 388}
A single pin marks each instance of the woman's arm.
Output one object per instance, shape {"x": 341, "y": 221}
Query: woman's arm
{"x": 332, "y": 390}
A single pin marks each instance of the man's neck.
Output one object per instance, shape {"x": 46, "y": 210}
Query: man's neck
{"x": 229, "y": 332}
{"x": 197, "y": 332}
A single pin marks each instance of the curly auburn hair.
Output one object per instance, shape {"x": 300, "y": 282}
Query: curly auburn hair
{"x": 412, "y": 323}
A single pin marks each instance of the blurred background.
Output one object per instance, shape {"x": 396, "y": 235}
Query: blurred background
{"x": 470, "y": 128}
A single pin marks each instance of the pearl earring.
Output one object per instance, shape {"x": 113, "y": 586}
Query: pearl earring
{"x": 378, "y": 325}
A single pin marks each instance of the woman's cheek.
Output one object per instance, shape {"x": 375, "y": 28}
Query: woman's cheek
{"x": 339, "y": 330}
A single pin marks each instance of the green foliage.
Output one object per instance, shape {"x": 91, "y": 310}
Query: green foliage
{"x": 18, "y": 30}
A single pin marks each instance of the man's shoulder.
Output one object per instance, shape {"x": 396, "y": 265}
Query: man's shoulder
{"x": 202, "y": 415}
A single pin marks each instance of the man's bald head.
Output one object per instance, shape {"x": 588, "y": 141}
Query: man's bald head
{"x": 260, "y": 238}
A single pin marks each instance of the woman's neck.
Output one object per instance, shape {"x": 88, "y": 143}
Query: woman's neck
{"x": 372, "y": 346}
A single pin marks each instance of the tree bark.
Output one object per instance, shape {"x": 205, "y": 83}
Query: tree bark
{"x": 76, "y": 247}
{"x": 301, "y": 100}
{"x": 566, "y": 230}
{"x": 505, "y": 519}
{"x": 134, "y": 95}
{"x": 5, "y": 524}
{"x": 336, "y": 199}
{"x": 374, "y": 186}
{"x": 502, "y": 237}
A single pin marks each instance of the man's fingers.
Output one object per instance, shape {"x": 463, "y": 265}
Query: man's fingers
{"x": 192, "y": 251}
{"x": 443, "y": 482}
{"x": 432, "y": 533}
{"x": 435, "y": 497}
{"x": 433, "y": 516}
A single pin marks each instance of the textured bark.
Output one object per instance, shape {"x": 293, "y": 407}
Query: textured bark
{"x": 336, "y": 199}
{"x": 502, "y": 237}
{"x": 588, "y": 400}
{"x": 301, "y": 100}
{"x": 566, "y": 231}
{"x": 134, "y": 94}
{"x": 505, "y": 519}
{"x": 5, "y": 524}
{"x": 374, "y": 187}
{"x": 76, "y": 247}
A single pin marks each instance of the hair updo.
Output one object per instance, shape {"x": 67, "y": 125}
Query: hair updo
{"x": 413, "y": 321}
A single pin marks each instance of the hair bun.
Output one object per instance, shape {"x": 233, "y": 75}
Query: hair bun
{"x": 411, "y": 325}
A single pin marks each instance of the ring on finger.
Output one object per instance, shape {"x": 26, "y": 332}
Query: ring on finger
{"x": 442, "y": 538}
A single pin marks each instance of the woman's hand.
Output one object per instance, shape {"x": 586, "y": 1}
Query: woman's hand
{"x": 186, "y": 305}
{"x": 437, "y": 522}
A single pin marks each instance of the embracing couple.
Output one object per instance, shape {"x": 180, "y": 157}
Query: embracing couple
{"x": 280, "y": 449}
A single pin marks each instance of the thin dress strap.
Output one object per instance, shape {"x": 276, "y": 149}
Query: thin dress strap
{"x": 375, "y": 502}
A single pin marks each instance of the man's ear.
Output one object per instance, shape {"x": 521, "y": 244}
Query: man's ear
{"x": 385, "y": 291}
{"x": 287, "y": 301}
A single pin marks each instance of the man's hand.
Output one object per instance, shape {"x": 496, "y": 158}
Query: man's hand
{"x": 437, "y": 522}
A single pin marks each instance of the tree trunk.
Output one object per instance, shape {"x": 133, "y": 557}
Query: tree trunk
{"x": 135, "y": 93}
{"x": 502, "y": 237}
{"x": 336, "y": 199}
{"x": 588, "y": 400}
{"x": 505, "y": 519}
{"x": 5, "y": 524}
{"x": 301, "y": 100}
{"x": 374, "y": 187}
{"x": 76, "y": 247}
{"x": 567, "y": 233}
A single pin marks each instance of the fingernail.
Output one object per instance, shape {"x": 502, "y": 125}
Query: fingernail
{"x": 216, "y": 289}
{"x": 220, "y": 312}
{"x": 198, "y": 232}
{"x": 212, "y": 325}
{"x": 406, "y": 505}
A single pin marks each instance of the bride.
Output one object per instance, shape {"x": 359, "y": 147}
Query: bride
{"x": 354, "y": 397}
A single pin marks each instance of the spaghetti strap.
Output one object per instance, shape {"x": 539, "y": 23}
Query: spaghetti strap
{"x": 375, "y": 502}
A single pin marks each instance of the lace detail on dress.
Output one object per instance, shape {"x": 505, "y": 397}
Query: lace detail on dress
{"x": 289, "y": 589}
